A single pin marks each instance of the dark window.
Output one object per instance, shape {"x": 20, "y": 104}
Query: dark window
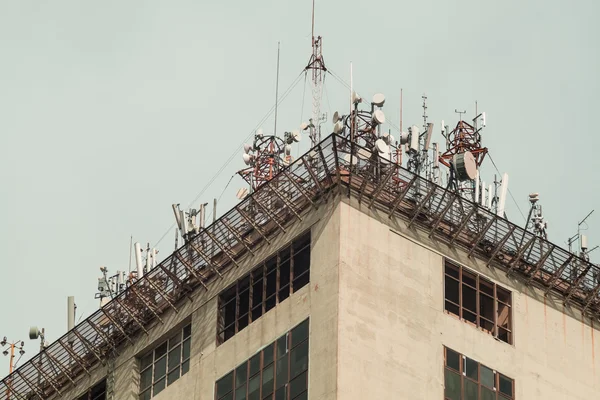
{"x": 478, "y": 301}
{"x": 266, "y": 286}
{"x": 277, "y": 372}
{"x": 466, "y": 379}
{"x": 96, "y": 392}
{"x": 165, "y": 364}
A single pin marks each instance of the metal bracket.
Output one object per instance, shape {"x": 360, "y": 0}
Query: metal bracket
{"x": 152, "y": 310}
{"x": 190, "y": 268}
{"x": 500, "y": 245}
{"x": 381, "y": 185}
{"x": 442, "y": 215}
{"x": 223, "y": 249}
{"x": 522, "y": 251}
{"x": 556, "y": 274}
{"x": 464, "y": 223}
{"x": 47, "y": 378}
{"x": 88, "y": 346}
{"x": 237, "y": 235}
{"x": 249, "y": 220}
{"x": 75, "y": 357}
{"x": 116, "y": 324}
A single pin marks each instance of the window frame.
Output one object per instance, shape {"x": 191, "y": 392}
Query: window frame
{"x": 285, "y": 357}
{"x": 180, "y": 338}
{"x": 499, "y": 395}
{"x": 259, "y": 279}
{"x": 479, "y": 320}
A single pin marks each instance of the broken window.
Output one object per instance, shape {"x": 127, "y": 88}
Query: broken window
{"x": 262, "y": 289}
{"x": 466, "y": 379}
{"x": 165, "y": 364}
{"x": 279, "y": 371}
{"x": 478, "y": 301}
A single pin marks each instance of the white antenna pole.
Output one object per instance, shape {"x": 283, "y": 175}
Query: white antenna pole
{"x": 70, "y": 313}
{"x": 490, "y": 197}
{"x": 476, "y": 197}
{"x": 154, "y": 258}
{"x": 138, "y": 260}
{"x": 202, "y": 216}
{"x": 177, "y": 215}
{"x": 503, "y": 191}
{"x": 482, "y": 192}
{"x": 148, "y": 258}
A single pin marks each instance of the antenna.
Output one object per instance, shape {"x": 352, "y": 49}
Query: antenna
{"x": 502, "y": 198}
{"x": 138, "y": 260}
{"x": 9, "y": 348}
{"x": 316, "y": 63}
{"x": 460, "y": 113}
{"x": 276, "y": 91}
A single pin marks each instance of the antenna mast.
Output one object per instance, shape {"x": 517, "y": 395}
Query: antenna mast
{"x": 317, "y": 65}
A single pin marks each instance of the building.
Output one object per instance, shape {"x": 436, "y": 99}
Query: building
{"x": 332, "y": 282}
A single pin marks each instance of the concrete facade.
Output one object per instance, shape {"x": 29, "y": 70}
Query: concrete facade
{"x": 377, "y": 322}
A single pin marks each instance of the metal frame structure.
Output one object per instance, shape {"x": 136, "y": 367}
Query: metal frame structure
{"x": 270, "y": 210}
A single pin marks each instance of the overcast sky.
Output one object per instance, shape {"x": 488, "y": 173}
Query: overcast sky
{"x": 111, "y": 111}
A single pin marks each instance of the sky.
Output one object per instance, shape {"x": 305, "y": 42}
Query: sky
{"x": 112, "y": 111}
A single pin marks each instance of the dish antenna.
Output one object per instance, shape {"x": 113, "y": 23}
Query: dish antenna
{"x": 338, "y": 127}
{"x": 403, "y": 138}
{"x": 465, "y": 166}
{"x": 304, "y": 126}
{"x": 388, "y": 139}
{"x": 378, "y": 117}
{"x": 247, "y": 148}
{"x": 383, "y": 149}
{"x": 296, "y": 136}
{"x": 248, "y": 158}
{"x": 336, "y": 117}
{"x": 356, "y": 98}
{"x": 378, "y": 100}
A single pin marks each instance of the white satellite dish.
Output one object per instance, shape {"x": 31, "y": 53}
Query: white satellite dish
{"x": 378, "y": 99}
{"x": 465, "y": 166}
{"x": 338, "y": 127}
{"x": 296, "y": 136}
{"x": 259, "y": 132}
{"x": 336, "y": 117}
{"x": 348, "y": 158}
{"x": 388, "y": 138}
{"x": 241, "y": 193}
{"x": 356, "y": 98}
{"x": 363, "y": 154}
{"x": 304, "y": 126}
{"x": 379, "y": 117}
{"x": 247, "y": 148}
{"x": 247, "y": 158}
{"x": 403, "y": 138}
{"x": 381, "y": 146}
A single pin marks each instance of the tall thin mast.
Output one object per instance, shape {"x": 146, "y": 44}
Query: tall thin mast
{"x": 317, "y": 65}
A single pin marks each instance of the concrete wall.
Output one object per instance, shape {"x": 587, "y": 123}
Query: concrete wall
{"x": 210, "y": 362}
{"x": 393, "y": 326}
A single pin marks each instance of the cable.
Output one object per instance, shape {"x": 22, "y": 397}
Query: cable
{"x": 221, "y": 195}
{"x": 509, "y": 192}
{"x": 235, "y": 152}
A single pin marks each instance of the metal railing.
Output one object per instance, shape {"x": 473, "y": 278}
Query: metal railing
{"x": 310, "y": 181}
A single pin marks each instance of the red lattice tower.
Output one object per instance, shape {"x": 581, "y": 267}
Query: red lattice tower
{"x": 463, "y": 138}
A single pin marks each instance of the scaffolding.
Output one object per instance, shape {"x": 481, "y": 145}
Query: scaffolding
{"x": 315, "y": 178}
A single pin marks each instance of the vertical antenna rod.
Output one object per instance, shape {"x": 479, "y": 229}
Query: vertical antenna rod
{"x": 276, "y": 91}
{"x": 400, "y": 110}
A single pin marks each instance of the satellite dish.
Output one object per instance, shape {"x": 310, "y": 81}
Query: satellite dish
{"x": 403, "y": 138}
{"x": 381, "y": 146}
{"x": 356, "y": 98}
{"x": 336, "y": 117}
{"x": 304, "y": 126}
{"x": 348, "y": 158}
{"x": 465, "y": 166}
{"x": 363, "y": 154}
{"x": 296, "y": 136}
{"x": 388, "y": 138}
{"x": 259, "y": 132}
{"x": 378, "y": 99}
{"x": 247, "y": 148}
{"x": 241, "y": 193}
{"x": 379, "y": 117}
{"x": 247, "y": 158}
{"x": 338, "y": 127}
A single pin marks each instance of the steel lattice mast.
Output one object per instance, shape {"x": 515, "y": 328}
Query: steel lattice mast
{"x": 317, "y": 65}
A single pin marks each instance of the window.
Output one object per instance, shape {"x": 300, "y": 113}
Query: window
{"x": 266, "y": 286}
{"x": 97, "y": 392}
{"x": 165, "y": 364}
{"x": 478, "y": 301}
{"x": 466, "y": 379}
{"x": 278, "y": 372}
